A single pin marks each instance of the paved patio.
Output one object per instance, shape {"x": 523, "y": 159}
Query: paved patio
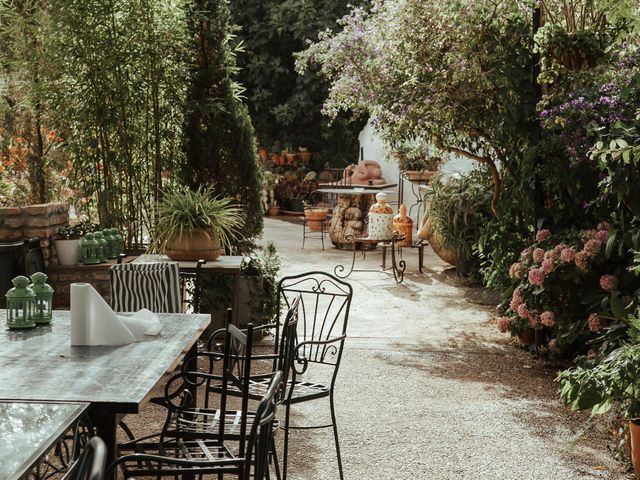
{"x": 428, "y": 389}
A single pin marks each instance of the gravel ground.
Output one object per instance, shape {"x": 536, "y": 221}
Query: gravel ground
{"x": 428, "y": 389}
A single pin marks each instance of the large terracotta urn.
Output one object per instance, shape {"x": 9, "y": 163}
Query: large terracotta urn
{"x": 427, "y": 233}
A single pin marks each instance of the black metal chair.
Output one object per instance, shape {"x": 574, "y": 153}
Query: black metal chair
{"x": 325, "y": 302}
{"x": 189, "y": 456}
{"x": 91, "y": 463}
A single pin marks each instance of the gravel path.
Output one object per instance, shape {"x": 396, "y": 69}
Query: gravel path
{"x": 429, "y": 390}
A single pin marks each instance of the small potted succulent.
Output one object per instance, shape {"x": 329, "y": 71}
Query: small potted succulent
{"x": 416, "y": 161}
{"x": 67, "y": 241}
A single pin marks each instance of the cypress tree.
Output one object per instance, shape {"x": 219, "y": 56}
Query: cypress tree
{"x": 219, "y": 138}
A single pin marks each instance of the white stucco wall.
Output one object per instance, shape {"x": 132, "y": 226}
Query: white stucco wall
{"x": 373, "y": 148}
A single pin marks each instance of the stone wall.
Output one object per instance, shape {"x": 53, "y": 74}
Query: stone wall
{"x": 44, "y": 220}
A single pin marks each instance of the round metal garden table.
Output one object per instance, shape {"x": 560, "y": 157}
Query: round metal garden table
{"x": 397, "y": 268}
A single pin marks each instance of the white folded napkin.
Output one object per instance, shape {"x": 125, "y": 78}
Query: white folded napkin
{"x": 93, "y": 322}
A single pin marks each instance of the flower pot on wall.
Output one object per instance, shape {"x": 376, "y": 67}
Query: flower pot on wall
{"x": 419, "y": 175}
{"x": 200, "y": 245}
{"x": 68, "y": 251}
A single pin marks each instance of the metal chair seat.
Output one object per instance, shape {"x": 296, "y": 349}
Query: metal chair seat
{"x": 302, "y": 391}
{"x": 201, "y": 423}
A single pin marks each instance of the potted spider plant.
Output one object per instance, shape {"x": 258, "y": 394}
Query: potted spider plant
{"x": 195, "y": 224}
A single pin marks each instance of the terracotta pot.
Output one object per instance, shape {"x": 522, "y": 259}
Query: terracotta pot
{"x": 200, "y": 245}
{"x": 305, "y": 157}
{"x": 291, "y": 158}
{"x": 315, "y": 217}
{"x": 634, "y": 442}
{"x": 420, "y": 175}
{"x": 527, "y": 337}
{"x": 427, "y": 233}
{"x": 277, "y": 159}
{"x": 262, "y": 155}
{"x": 273, "y": 211}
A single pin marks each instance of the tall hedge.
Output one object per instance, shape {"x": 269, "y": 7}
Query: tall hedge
{"x": 219, "y": 137}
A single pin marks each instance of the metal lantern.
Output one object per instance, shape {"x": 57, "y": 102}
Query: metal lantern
{"x": 20, "y": 304}
{"x": 89, "y": 249}
{"x": 102, "y": 246}
{"x": 111, "y": 243}
{"x": 44, "y": 299}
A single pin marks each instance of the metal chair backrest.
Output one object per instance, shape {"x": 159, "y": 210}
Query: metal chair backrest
{"x": 286, "y": 349}
{"x": 323, "y": 312}
{"x": 260, "y": 438}
{"x": 154, "y": 286}
{"x": 91, "y": 463}
{"x": 236, "y": 373}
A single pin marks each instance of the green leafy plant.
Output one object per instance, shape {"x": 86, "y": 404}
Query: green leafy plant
{"x": 613, "y": 381}
{"x": 458, "y": 207}
{"x": 184, "y": 211}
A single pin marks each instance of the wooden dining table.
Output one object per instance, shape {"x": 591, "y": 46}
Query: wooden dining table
{"x": 41, "y": 365}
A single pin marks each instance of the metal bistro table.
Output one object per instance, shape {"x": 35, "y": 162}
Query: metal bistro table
{"x": 41, "y": 365}
{"x": 397, "y": 268}
{"x": 225, "y": 264}
{"x": 29, "y": 431}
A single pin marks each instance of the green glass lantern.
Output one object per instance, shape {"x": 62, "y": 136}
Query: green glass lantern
{"x": 111, "y": 243}
{"x": 44, "y": 299}
{"x": 89, "y": 250}
{"x": 102, "y": 246}
{"x": 20, "y": 304}
{"x": 120, "y": 240}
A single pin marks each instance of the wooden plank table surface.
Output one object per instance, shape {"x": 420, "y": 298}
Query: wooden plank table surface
{"x": 29, "y": 430}
{"x": 41, "y": 365}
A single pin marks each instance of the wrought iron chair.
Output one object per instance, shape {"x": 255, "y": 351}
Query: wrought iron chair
{"x": 91, "y": 463}
{"x": 180, "y": 457}
{"x": 325, "y": 302}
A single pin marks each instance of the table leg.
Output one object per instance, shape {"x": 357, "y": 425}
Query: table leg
{"x": 384, "y": 257}
{"x": 398, "y": 268}
{"x": 340, "y": 268}
{"x": 105, "y": 422}
{"x": 420, "y": 257}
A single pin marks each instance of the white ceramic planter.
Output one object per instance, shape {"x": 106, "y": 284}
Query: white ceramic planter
{"x": 68, "y": 251}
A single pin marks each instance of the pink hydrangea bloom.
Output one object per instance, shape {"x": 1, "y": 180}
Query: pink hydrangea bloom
{"x": 523, "y": 310}
{"x": 604, "y": 226}
{"x": 567, "y": 254}
{"x": 592, "y": 247}
{"x": 548, "y": 319}
{"x": 551, "y": 255}
{"x": 558, "y": 248}
{"x": 538, "y": 255}
{"x": 504, "y": 324}
{"x": 515, "y": 271}
{"x": 542, "y": 235}
{"x": 534, "y": 320}
{"x": 608, "y": 282}
{"x": 548, "y": 265}
{"x": 582, "y": 261}
{"x": 516, "y": 299}
{"x": 588, "y": 235}
{"x": 601, "y": 236}
{"x": 526, "y": 253}
{"x": 536, "y": 276}
{"x": 596, "y": 323}
{"x": 552, "y": 344}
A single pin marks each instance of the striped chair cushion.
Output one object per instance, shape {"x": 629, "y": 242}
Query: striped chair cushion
{"x": 155, "y": 286}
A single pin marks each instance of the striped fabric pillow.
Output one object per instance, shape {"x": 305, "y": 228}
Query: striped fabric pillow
{"x": 155, "y": 286}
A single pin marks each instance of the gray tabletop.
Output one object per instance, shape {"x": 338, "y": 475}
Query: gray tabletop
{"x": 40, "y": 364}
{"x": 29, "y": 430}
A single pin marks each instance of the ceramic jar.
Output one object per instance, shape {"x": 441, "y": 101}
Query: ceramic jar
{"x": 403, "y": 224}
{"x": 380, "y": 219}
